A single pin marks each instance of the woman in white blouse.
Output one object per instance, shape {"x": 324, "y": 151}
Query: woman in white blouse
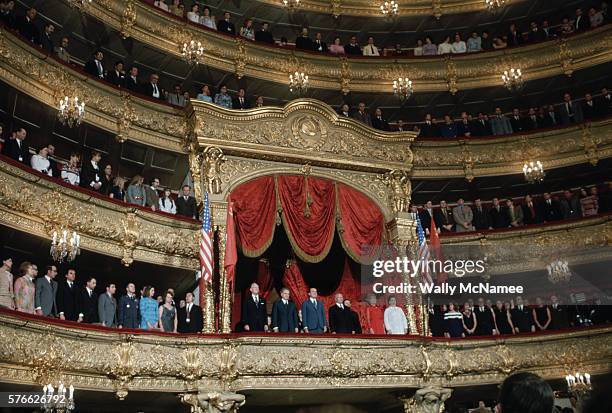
{"x": 194, "y": 15}
{"x": 208, "y": 20}
{"x": 40, "y": 162}
{"x": 247, "y": 31}
{"x": 395, "y": 319}
{"x": 445, "y": 47}
{"x": 71, "y": 172}
{"x": 161, "y": 4}
{"x": 166, "y": 204}
{"x": 458, "y": 45}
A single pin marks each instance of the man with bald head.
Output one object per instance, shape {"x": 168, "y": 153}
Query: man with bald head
{"x": 341, "y": 317}
{"x": 254, "y": 314}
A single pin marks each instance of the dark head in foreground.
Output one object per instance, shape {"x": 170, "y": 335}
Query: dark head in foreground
{"x": 525, "y": 393}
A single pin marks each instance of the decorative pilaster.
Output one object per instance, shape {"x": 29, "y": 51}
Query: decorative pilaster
{"x": 225, "y": 294}
{"x": 128, "y": 18}
{"x": 213, "y": 401}
{"x": 427, "y": 400}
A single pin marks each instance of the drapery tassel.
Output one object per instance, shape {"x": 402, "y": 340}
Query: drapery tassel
{"x": 339, "y": 225}
{"x": 308, "y": 198}
{"x": 278, "y": 218}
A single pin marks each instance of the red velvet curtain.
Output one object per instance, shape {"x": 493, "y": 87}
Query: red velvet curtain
{"x": 255, "y": 212}
{"x": 362, "y": 223}
{"x": 308, "y": 215}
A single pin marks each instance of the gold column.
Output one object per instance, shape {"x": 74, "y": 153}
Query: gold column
{"x": 225, "y": 295}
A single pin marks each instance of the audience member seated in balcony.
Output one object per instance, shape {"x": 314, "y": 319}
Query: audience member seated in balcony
{"x": 394, "y": 318}
{"x": 525, "y": 392}
{"x": 500, "y": 124}
{"x": 225, "y": 25}
{"x": 481, "y": 216}
{"x": 131, "y": 80}
{"x": 444, "y": 218}
{"x": 95, "y": 67}
{"x": 485, "y": 319}
{"x": 284, "y": 314}
{"x": 107, "y": 180}
{"x": 551, "y": 117}
{"x": 24, "y": 288}
{"x": 283, "y": 42}
{"x": 205, "y": 96}
{"x": 340, "y": 317}
{"x": 596, "y": 18}
{"x": 166, "y": 203}
{"x": 581, "y": 22}
{"x": 149, "y": 309}
{"x": 515, "y": 213}
{"x": 445, "y": 47}
{"x": 531, "y": 214}
{"x": 503, "y": 318}
{"x": 161, "y": 4}
{"x": 375, "y": 316}
{"x": 193, "y": 15}
{"x": 379, "y": 122}
{"x": 453, "y": 323}
{"x": 7, "y": 294}
{"x": 91, "y": 176}
{"x": 254, "y": 316}
{"x": 570, "y": 206}
{"x": 429, "y": 48}
{"x": 152, "y": 193}
{"x": 515, "y": 37}
{"x": 62, "y": 50}
{"x": 259, "y": 102}
{"x": 482, "y": 126}
{"x": 567, "y": 27}
{"x": 463, "y": 217}
{"x": 362, "y": 115}
{"x": 241, "y": 101}
{"x": 71, "y": 171}
{"x": 418, "y": 49}
{"x": 40, "y": 161}
{"x": 186, "y": 204}
{"x": 469, "y": 321}
{"x": 499, "y": 43}
{"x": 55, "y": 169}
{"x": 589, "y": 108}
{"x": 448, "y": 129}
{"x": 247, "y": 30}
{"x": 531, "y": 121}
{"x": 570, "y": 111}
{"x": 27, "y": 27}
{"x": 117, "y": 75}
{"x": 208, "y": 20}
{"x": 46, "y": 42}
{"x": 264, "y": 34}
{"x": 152, "y": 89}
{"x": 345, "y": 110}
{"x": 118, "y": 189}
{"x": 464, "y": 125}
{"x": 498, "y": 216}
{"x": 190, "y": 319}
{"x": 176, "y": 97}
{"x": 177, "y": 8}
{"x": 129, "y": 308}
{"x": 370, "y": 49}
{"x": 336, "y": 47}
{"x": 313, "y": 313}
{"x": 353, "y": 47}
{"x": 541, "y": 315}
{"x": 107, "y": 306}
{"x": 605, "y": 102}
{"x": 168, "y": 321}
{"x": 486, "y": 42}
{"x": 550, "y": 209}
{"x": 7, "y": 15}
{"x": 15, "y": 146}
{"x": 318, "y": 45}
{"x": 136, "y": 193}
{"x": 428, "y": 129}
{"x": 589, "y": 202}
{"x": 458, "y": 46}
{"x": 222, "y": 98}
{"x": 303, "y": 41}
{"x": 516, "y": 122}
{"x": 474, "y": 43}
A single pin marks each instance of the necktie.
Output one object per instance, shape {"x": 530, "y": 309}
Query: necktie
{"x": 70, "y": 285}
{"x": 315, "y": 303}
{"x": 372, "y": 49}
{"x": 155, "y": 92}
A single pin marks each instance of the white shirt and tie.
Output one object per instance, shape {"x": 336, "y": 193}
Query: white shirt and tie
{"x": 100, "y": 68}
{"x": 155, "y": 93}
{"x": 314, "y": 302}
{"x": 188, "y": 311}
{"x": 19, "y": 143}
{"x": 370, "y": 50}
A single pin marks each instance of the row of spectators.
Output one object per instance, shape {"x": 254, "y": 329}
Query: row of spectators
{"x": 456, "y": 43}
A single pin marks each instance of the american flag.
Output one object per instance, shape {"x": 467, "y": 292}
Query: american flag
{"x": 206, "y": 243}
{"x": 423, "y": 251}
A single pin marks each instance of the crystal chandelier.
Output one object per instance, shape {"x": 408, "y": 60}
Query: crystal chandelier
{"x": 389, "y": 8}
{"x": 494, "y": 5}
{"x": 579, "y": 385}
{"x": 193, "y": 52}
{"x": 513, "y": 79}
{"x": 71, "y": 111}
{"x": 64, "y": 248}
{"x": 533, "y": 171}
{"x": 60, "y": 402}
{"x": 291, "y": 3}
{"x": 298, "y": 83}
{"x": 402, "y": 88}
{"x": 558, "y": 271}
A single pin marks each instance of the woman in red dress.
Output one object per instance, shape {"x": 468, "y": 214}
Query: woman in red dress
{"x": 375, "y": 316}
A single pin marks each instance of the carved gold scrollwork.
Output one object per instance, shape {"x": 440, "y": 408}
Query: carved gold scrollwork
{"x": 427, "y": 400}
{"x": 227, "y": 365}
{"x": 336, "y": 9}
{"x": 590, "y": 144}
{"x": 131, "y": 228}
{"x": 467, "y": 160}
{"x": 400, "y": 189}
{"x": 451, "y": 75}
{"x": 240, "y": 58}
{"x": 436, "y": 8}
{"x": 213, "y": 160}
{"x": 565, "y": 57}
{"x": 192, "y": 365}
{"x": 128, "y": 18}
{"x": 345, "y": 75}
{"x": 125, "y": 118}
{"x": 123, "y": 370}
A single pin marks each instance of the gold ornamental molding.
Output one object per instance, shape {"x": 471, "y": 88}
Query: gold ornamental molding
{"x": 369, "y": 8}
{"x": 124, "y": 362}
{"x": 30, "y": 71}
{"x": 37, "y": 206}
{"x": 469, "y": 71}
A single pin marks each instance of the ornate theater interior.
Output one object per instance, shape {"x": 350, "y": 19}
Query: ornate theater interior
{"x": 305, "y": 206}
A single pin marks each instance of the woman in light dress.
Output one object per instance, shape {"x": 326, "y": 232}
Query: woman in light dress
{"x": 7, "y": 295}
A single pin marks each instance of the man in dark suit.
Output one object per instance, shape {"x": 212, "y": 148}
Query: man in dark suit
{"x": 581, "y": 22}
{"x": 340, "y": 317}
{"x": 570, "y": 111}
{"x": 558, "y": 314}
{"x": 313, "y": 313}
{"x": 190, "y": 318}
{"x": 131, "y": 80}
{"x": 254, "y": 315}
{"x": 605, "y": 103}
{"x": 535, "y": 33}
{"x": 425, "y": 215}
{"x": 152, "y": 88}
{"x": 549, "y": 209}
{"x": 95, "y": 67}
{"x": 46, "y": 42}
{"x": 87, "y": 302}
{"x": 530, "y": 122}
{"x": 379, "y": 122}
{"x": 429, "y": 129}
{"x": 263, "y": 34}
{"x": 91, "y": 176}
{"x": 225, "y": 25}
{"x": 129, "y": 308}
{"x": 318, "y": 45}
{"x": 522, "y": 318}
{"x": 303, "y": 41}
{"x": 362, "y": 114}
{"x": 354, "y": 316}
{"x": 16, "y": 148}
{"x": 241, "y": 101}
{"x": 27, "y": 28}
{"x": 186, "y": 204}
{"x": 551, "y": 117}
{"x": 498, "y": 216}
{"x": 117, "y": 75}
{"x": 464, "y": 126}
{"x": 353, "y": 47}
{"x": 284, "y": 314}
{"x": 67, "y": 297}
{"x": 485, "y": 320}
{"x": 590, "y": 110}
{"x": 516, "y": 121}
{"x": 531, "y": 214}
{"x": 444, "y": 217}
{"x": 45, "y": 303}
{"x": 570, "y": 206}
{"x": 515, "y": 37}
{"x": 481, "y": 218}
{"x": 481, "y": 126}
